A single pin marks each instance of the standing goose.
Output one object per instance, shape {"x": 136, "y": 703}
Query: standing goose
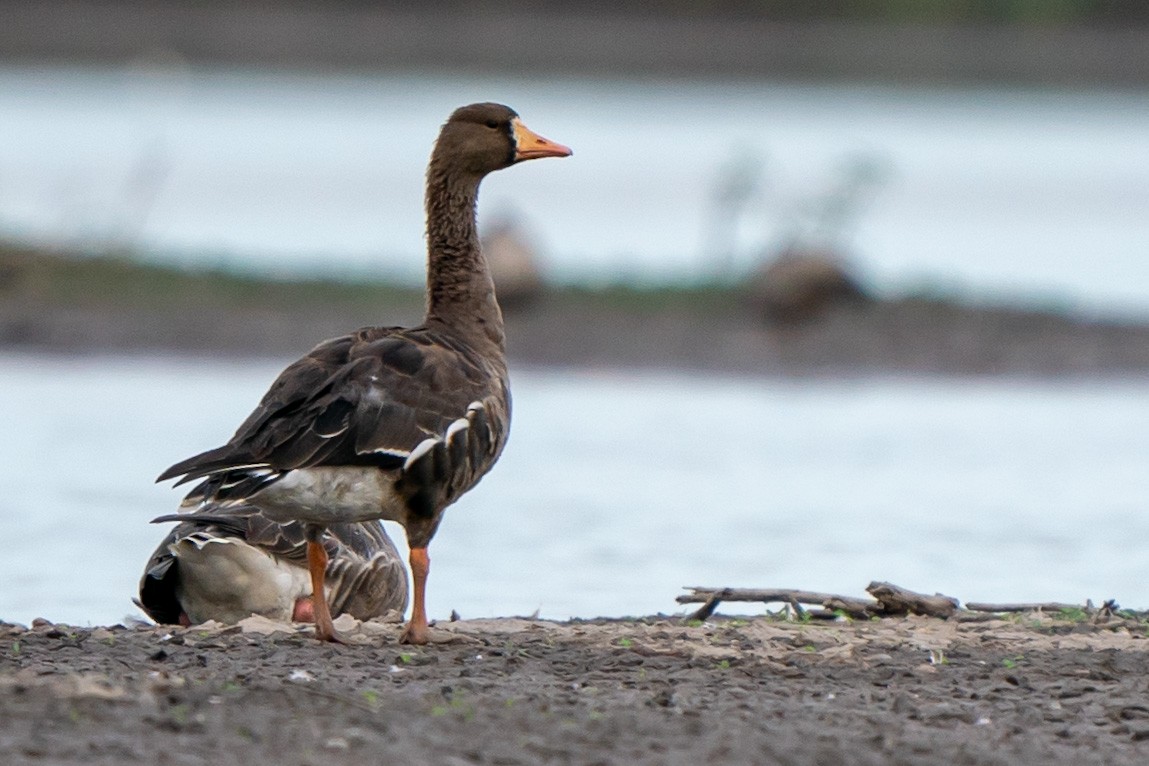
{"x": 390, "y": 422}
{"x": 227, "y": 563}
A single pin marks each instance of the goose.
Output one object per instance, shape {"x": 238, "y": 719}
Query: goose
{"x": 227, "y": 563}
{"x": 390, "y": 422}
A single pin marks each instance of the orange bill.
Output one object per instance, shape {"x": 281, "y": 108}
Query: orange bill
{"x": 531, "y": 146}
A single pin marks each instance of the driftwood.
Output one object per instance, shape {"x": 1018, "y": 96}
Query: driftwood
{"x": 889, "y": 601}
{"x": 898, "y": 601}
{"x": 1096, "y": 614}
{"x": 830, "y": 602}
{"x": 1050, "y": 606}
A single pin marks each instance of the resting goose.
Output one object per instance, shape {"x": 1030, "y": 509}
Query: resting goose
{"x": 390, "y": 422}
{"x": 227, "y": 563}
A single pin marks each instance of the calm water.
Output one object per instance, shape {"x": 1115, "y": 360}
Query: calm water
{"x": 616, "y": 490}
{"x": 1035, "y": 193}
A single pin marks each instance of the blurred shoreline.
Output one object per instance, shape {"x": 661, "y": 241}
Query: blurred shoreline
{"x": 586, "y": 39}
{"x": 57, "y": 304}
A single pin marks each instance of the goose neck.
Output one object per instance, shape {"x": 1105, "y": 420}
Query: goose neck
{"x": 460, "y": 291}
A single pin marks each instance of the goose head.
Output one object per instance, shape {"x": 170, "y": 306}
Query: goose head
{"x": 481, "y": 138}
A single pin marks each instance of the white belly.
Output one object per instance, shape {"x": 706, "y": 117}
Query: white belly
{"x": 226, "y": 579}
{"x": 331, "y": 496}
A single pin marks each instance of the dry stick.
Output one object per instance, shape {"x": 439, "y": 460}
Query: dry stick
{"x": 707, "y": 609}
{"x": 1046, "y": 607}
{"x": 896, "y": 601}
{"x": 1099, "y": 614}
{"x": 892, "y": 600}
{"x": 712, "y": 597}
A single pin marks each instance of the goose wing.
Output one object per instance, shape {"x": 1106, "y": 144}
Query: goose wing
{"x": 417, "y": 401}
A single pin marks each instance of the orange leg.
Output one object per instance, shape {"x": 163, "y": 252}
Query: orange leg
{"x": 317, "y": 565}
{"x": 416, "y": 630}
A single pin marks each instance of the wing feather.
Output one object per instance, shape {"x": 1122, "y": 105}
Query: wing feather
{"x": 369, "y": 398}
{"x": 365, "y": 571}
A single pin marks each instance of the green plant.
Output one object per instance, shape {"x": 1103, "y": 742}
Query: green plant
{"x": 179, "y": 713}
{"x": 457, "y": 704}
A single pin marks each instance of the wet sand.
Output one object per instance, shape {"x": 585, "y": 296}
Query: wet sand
{"x": 911, "y": 690}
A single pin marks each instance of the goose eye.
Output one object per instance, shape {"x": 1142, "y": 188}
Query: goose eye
{"x": 492, "y": 123}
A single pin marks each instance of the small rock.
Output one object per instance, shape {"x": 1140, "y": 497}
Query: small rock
{"x": 345, "y": 624}
{"x": 264, "y": 626}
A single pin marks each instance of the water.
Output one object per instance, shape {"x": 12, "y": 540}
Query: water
{"x": 618, "y": 489}
{"x": 998, "y": 192}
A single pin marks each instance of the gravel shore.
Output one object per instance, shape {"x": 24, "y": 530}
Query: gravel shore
{"x": 517, "y": 691}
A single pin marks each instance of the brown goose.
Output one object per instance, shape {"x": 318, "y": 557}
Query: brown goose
{"x": 227, "y": 563}
{"x": 390, "y": 422}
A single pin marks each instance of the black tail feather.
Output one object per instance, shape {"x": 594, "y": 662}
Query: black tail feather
{"x": 205, "y": 463}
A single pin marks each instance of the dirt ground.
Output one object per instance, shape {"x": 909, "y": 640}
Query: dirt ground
{"x": 513, "y": 691}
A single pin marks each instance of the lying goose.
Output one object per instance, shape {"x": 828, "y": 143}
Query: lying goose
{"x": 227, "y": 563}
{"x": 390, "y": 422}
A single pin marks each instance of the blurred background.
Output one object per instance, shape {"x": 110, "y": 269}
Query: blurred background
{"x": 828, "y": 293}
